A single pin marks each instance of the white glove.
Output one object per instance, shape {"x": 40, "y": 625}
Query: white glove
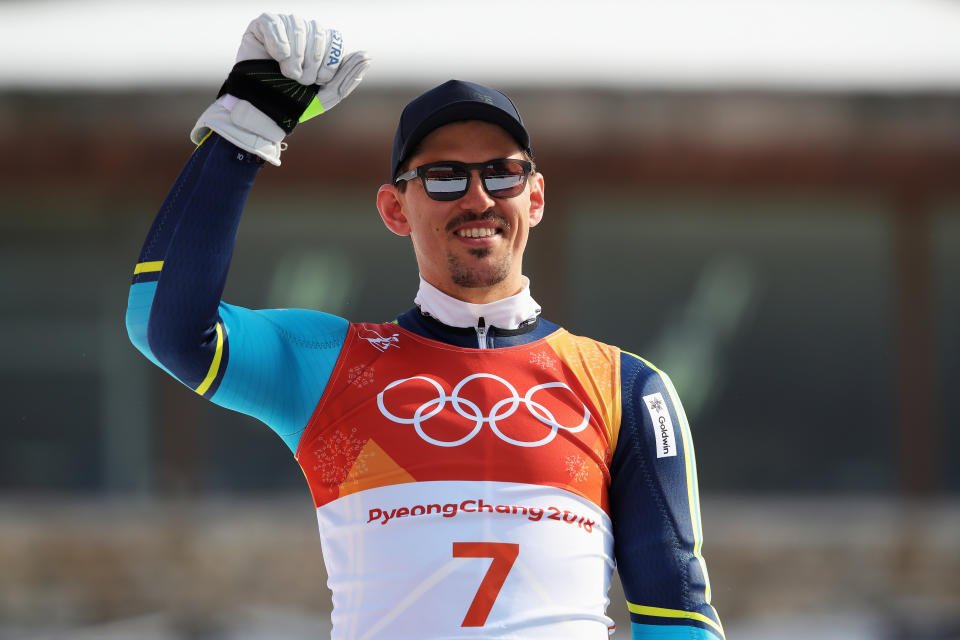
{"x": 307, "y": 54}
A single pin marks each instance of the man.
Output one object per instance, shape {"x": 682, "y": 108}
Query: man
{"x": 478, "y": 472}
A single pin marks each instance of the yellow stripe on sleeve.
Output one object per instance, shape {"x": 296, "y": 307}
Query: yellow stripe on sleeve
{"x": 215, "y": 365}
{"x": 693, "y": 491}
{"x": 204, "y": 139}
{"x": 148, "y": 267}
{"x": 674, "y": 613}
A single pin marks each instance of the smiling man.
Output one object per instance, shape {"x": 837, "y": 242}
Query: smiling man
{"x": 477, "y": 471}
{"x": 468, "y": 239}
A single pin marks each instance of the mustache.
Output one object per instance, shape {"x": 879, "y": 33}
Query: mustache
{"x": 473, "y": 216}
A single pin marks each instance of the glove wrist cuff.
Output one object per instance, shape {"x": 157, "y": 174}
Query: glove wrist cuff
{"x": 261, "y": 83}
{"x": 243, "y": 125}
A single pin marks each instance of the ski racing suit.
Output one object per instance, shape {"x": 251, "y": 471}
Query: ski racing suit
{"x": 477, "y": 471}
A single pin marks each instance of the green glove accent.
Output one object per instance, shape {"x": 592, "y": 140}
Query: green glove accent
{"x": 313, "y": 110}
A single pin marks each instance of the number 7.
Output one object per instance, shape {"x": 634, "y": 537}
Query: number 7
{"x": 504, "y": 554}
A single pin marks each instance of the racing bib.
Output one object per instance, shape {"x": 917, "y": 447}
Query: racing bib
{"x": 462, "y": 493}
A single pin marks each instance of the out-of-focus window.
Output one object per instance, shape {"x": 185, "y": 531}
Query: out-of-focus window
{"x": 772, "y": 316}
{"x": 946, "y": 265}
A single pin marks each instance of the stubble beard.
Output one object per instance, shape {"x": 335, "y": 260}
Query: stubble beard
{"x": 474, "y": 276}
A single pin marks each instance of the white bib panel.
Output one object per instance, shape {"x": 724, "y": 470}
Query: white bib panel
{"x": 425, "y": 560}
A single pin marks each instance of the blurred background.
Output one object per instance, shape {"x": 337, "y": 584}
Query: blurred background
{"x": 763, "y": 198}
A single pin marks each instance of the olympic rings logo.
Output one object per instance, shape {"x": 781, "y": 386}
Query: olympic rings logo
{"x": 501, "y": 410}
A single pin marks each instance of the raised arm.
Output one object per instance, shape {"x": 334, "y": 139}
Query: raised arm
{"x": 272, "y": 364}
{"x": 655, "y": 507}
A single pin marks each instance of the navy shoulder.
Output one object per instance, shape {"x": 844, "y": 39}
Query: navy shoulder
{"x": 637, "y": 373}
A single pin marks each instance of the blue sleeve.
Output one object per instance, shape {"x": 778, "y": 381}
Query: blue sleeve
{"x": 272, "y": 364}
{"x": 655, "y": 508}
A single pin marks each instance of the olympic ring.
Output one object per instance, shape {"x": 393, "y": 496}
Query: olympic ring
{"x": 431, "y": 408}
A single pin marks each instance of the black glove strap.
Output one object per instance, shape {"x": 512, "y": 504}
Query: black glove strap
{"x": 260, "y": 83}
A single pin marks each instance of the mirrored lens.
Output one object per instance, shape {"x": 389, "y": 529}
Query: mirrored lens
{"x": 503, "y": 179}
{"x": 446, "y": 180}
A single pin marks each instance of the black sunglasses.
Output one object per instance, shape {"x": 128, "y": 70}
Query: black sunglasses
{"x": 449, "y": 180}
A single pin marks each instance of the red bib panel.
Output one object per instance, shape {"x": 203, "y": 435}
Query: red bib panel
{"x": 400, "y": 408}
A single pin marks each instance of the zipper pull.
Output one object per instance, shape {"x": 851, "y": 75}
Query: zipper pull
{"x": 482, "y": 333}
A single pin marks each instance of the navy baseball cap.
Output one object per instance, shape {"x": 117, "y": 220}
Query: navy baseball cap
{"x": 453, "y": 101}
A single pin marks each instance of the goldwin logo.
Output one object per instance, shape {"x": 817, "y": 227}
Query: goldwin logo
{"x": 662, "y": 425}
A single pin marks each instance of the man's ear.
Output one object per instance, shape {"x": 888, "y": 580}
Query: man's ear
{"x": 536, "y": 199}
{"x": 390, "y": 206}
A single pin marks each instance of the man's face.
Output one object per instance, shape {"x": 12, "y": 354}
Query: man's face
{"x": 472, "y": 247}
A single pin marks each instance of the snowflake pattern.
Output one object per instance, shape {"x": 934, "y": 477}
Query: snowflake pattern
{"x": 360, "y": 376}
{"x": 360, "y": 469}
{"x": 337, "y": 455}
{"x": 544, "y": 361}
{"x": 656, "y": 405}
{"x": 577, "y": 468}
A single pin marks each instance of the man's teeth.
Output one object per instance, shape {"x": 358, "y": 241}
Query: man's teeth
{"x": 476, "y": 232}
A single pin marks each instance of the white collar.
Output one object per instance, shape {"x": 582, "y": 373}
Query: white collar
{"x": 507, "y": 313}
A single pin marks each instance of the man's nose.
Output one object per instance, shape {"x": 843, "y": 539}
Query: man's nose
{"x": 476, "y": 197}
